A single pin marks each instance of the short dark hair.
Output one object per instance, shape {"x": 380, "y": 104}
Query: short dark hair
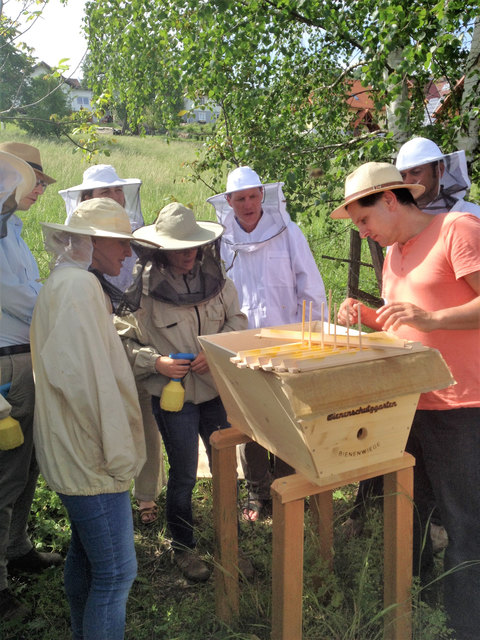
{"x": 86, "y": 195}
{"x": 404, "y": 196}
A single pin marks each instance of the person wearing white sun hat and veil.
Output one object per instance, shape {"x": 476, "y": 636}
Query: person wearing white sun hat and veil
{"x": 102, "y": 181}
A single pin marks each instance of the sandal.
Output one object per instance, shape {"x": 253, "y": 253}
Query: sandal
{"x": 148, "y": 515}
{"x": 256, "y": 506}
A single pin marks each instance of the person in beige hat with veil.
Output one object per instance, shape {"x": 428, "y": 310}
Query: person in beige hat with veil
{"x": 180, "y": 292}
{"x": 88, "y": 426}
{"x": 431, "y": 285}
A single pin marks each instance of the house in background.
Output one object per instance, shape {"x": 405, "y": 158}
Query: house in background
{"x": 201, "y": 111}
{"x": 436, "y": 92}
{"x": 360, "y": 103}
{"x": 79, "y": 96}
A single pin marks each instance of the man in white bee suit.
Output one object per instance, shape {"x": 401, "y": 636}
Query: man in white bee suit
{"x": 444, "y": 176}
{"x": 269, "y": 260}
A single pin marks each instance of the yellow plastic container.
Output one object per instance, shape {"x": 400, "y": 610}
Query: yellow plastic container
{"x": 173, "y": 393}
{"x": 11, "y": 435}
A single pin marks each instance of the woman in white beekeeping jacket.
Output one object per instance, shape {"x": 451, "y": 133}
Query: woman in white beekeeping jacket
{"x": 88, "y": 427}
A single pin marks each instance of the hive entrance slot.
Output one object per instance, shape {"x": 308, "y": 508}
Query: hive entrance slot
{"x": 362, "y": 434}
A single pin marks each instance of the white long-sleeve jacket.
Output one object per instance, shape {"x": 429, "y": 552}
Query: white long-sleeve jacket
{"x": 88, "y": 427}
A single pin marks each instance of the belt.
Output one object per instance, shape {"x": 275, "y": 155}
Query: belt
{"x": 13, "y": 349}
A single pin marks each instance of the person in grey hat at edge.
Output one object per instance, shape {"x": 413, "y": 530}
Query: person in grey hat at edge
{"x": 20, "y": 284}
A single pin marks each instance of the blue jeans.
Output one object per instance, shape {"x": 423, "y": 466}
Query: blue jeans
{"x": 180, "y": 431}
{"x": 446, "y": 446}
{"x": 101, "y": 564}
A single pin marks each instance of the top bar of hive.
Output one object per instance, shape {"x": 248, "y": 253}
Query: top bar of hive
{"x": 318, "y": 350}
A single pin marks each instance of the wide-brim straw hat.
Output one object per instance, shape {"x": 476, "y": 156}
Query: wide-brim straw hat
{"x": 101, "y": 217}
{"x": 22, "y": 179}
{"x": 99, "y": 176}
{"x": 29, "y": 154}
{"x": 373, "y": 177}
{"x": 176, "y": 228}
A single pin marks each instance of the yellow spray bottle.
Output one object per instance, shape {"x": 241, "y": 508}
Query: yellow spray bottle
{"x": 173, "y": 393}
{"x": 11, "y": 435}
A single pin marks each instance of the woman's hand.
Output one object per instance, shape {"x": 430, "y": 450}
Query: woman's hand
{"x": 200, "y": 364}
{"x": 171, "y": 367}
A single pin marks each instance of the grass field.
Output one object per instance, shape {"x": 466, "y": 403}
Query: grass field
{"x": 162, "y": 605}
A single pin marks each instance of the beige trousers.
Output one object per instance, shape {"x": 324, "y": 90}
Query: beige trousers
{"x": 152, "y": 478}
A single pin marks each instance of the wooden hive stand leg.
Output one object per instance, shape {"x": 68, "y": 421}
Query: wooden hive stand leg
{"x": 287, "y": 569}
{"x": 398, "y": 539}
{"x": 224, "y": 484}
{"x": 321, "y": 509}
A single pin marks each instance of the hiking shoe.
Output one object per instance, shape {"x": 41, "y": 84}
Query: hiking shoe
{"x": 352, "y": 528}
{"x": 192, "y": 566}
{"x": 245, "y": 566}
{"x": 439, "y": 537}
{"x": 35, "y": 561}
{"x": 11, "y": 608}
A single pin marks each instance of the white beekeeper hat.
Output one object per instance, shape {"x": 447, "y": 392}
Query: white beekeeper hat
{"x": 419, "y": 151}
{"x": 242, "y": 178}
{"x": 416, "y": 152}
{"x": 104, "y": 175}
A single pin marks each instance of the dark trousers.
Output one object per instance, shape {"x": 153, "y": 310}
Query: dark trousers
{"x": 446, "y": 446}
{"x": 260, "y": 469}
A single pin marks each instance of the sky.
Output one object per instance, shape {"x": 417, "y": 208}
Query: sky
{"x": 56, "y": 34}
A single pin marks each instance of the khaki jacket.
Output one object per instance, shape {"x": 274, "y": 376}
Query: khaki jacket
{"x": 159, "y": 328}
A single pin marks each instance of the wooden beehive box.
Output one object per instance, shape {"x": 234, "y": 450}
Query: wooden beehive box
{"x": 331, "y": 419}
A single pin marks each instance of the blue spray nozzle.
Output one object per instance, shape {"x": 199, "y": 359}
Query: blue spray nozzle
{"x": 4, "y": 389}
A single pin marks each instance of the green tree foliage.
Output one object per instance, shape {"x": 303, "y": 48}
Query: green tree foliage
{"x": 282, "y": 71}
{"x": 40, "y": 99}
{"x": 29, "y": 101}
{"x": 15, "y": 66}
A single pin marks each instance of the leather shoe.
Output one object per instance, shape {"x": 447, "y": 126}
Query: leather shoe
{"x": 245, "y": 566}
{"x": 192, "y": 566}
{"x": 35, "y": 561}
{"x": 11, "y": 608}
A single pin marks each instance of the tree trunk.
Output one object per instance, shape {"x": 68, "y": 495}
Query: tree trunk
{"x": 468, "y": 139}
{"x": 394, "y": 119}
